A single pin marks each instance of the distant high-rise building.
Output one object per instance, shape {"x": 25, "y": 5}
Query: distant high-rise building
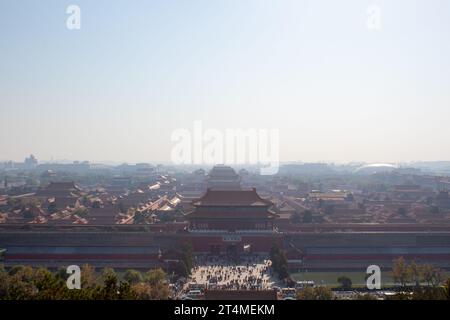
{"x": 30, "y": 162}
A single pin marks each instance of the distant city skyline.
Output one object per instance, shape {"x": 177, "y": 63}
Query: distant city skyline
{"x": 155, "y": 162}
{"x": 116, "y": 89}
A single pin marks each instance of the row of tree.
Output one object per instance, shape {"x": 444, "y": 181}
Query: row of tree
{"x": 26, "y": 283}
{"x": 408, "y": 275}
{"x": 413, "y": 274}
{"x": 414, "y": 282}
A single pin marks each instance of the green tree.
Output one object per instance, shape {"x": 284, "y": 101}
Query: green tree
{"x": 89, "y": 279}
{"x": 145, "y": 291}
{"x": 132, "y": 276}
{"x": 24, "y": 282}
{"x": 4, "y": 290}
{"x": 20, "y": 283}
{"x": 142, "y": 290}
{"x": 155, "y": 277}
{"x": 110, "y": 288}
{"x": 307, "y": 293}
{"x": 186, "y": 255}
{"x": 447, "y": 289}
{"x": 181, "y": 269}
{"x": 400, "y": 272}
{"x": 274, "y": 257}
{"x": 61, "y": 273}
{"x": 433, "y": 276}
{"x": 126, "y": 292}
{"x": 25, "y": 273}
{"x": 415, "y": 273}
{"x": 283, "y": 272}
{"x": 345, "y": 282}
{"x": 279, "y": 261}
{"x": 48, "y": 285}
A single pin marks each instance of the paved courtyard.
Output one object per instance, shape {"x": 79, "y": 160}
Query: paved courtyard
{"x": 246, "y": 272}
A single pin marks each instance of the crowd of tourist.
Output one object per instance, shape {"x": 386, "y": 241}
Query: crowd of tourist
{"x": 249, "y": 272}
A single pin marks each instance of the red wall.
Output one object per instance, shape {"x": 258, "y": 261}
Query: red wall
{"x": 258, "y": 243}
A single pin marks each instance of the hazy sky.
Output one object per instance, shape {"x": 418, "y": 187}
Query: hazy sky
{"x": 137, "y": 70}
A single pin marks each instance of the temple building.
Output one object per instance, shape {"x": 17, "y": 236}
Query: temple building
{"x": 223, "y": 178}
{"x": 232, "y": 222}
{"x": 231, "y": 211}
{"x": 59, "y": 189}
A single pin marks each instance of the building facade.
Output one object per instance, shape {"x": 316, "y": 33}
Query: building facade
{"x": 231, "y": 222}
